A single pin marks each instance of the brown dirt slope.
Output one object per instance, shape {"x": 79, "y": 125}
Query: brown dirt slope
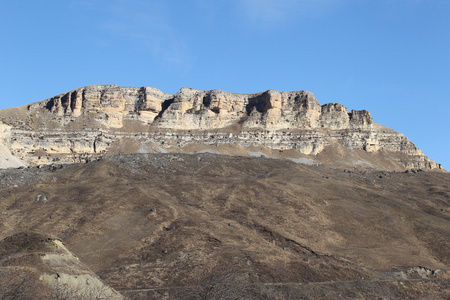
{"x": 37, "y": 266}
{"x": 203, "y": 226}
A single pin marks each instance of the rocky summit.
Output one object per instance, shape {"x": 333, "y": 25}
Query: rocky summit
{"x": 103, "y": 120}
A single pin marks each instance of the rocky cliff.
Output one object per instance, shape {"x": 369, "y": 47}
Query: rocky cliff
{"x": 99, "y": 120}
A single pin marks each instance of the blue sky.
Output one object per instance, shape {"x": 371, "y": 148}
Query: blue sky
{"x": 391, "y": 57}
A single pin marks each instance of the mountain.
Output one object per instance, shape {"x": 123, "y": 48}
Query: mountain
{"x": 101, "y": 120}
{"x": 207, "y": 226}
{"x": 130, "y": 193}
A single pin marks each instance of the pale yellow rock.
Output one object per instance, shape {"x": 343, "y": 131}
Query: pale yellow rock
{"x": 92, "y": 121}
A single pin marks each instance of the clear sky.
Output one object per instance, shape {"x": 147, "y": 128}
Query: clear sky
{"x": 391, "y": 57}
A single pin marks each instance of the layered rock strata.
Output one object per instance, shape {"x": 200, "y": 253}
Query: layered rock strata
{"x": 98, "y": 120}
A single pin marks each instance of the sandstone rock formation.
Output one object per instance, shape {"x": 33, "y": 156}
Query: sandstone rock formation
{"x": 99, "y": 120}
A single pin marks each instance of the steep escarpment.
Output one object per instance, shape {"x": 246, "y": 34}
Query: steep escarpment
{"x": 100, "y": 120}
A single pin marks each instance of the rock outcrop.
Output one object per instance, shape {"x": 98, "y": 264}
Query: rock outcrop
{"x": 7, "y": 160}
{"x": 99, "y": 120}
{"x": 57, "y": 273}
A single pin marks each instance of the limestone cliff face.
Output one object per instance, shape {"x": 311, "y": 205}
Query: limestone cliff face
{"x": 112, "y": 101}
{"x": 192, "y": 109}
{"x": 100, "y": 120}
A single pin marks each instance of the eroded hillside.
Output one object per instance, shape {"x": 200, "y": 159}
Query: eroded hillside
{"x": 182, "y": 226}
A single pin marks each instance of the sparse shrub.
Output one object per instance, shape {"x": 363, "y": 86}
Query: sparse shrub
{"x": 221, "y": 283}
{"x": 21, "y": 283}
{"x": 64, "y": 291}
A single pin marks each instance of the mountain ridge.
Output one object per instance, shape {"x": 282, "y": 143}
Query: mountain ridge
{"x": 99, "y": 120}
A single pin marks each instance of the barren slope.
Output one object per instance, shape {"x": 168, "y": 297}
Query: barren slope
{"x": 36, "y": 266}
{"x": 165, "y": 225}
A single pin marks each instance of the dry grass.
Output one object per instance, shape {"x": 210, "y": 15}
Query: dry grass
{"x": 160, "y": 225}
